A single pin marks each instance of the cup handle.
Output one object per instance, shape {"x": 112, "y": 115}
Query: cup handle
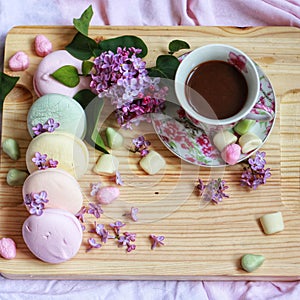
{"x": 264, "y": 117}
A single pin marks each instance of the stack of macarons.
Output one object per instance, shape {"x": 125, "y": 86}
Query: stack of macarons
{"x": 56, "y": 158}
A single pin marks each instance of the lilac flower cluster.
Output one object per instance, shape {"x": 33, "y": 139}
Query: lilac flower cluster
{"x": 49, "y": 126}
{"x": 41, "y": 161}
{"x": 123, "y": 240}
{"x": 126, "y": 240}
{"x": 123, "y": 69}
{"x": 213, "y": 191}
{"x": 139, "y": 110}
{"x": 123, "y": 78}
{"x": 103, "y": 233}
{"x": 36, "y": 202}
{"x": 141, "y": 145}
{"x": 255, "y": 173}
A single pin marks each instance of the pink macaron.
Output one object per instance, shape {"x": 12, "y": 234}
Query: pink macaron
{"x": 62, "y": 189}
{"x": 53, "y": 237}
{"x": 44, "y": 83}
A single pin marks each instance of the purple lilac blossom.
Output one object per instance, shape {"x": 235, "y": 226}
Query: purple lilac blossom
{"x": 40, "y": 197}
{"x": 117, "y": 226}
{"x": 37, "y": 129}
{"x": 213, "y": 191}
{"x": 102, "y": 232}
{"x": 93, "y": 244}
{"x": 156, "y": 240}
{"x": 80, "y": 214}
{"x": 95, "y": 209}
{"x": 52, "y": 163}
{"x": 50, "y": 125}
{"x": 133, "y": 213}
{"x": 36, "y": 202}
{"x": 141, "y": 145}
{"x": 255, "y": 173}
{"x": 123, "y": 78}
{"x": 95, "y": 188}
{"x": 39, "y": 159}
{"x": 126, "y": 240}
{"x": 118, "y": 178}
{"x": 36, "y": 208}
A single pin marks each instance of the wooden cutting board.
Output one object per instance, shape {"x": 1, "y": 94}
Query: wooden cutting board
{"x": 200, "y": 242}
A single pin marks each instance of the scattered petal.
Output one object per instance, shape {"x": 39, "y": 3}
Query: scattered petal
{"x": 95, "y": 209}
{"x": 133, "y": 213}
{"x": 95, "y": 188}
{"x": 80, "y": 214}
{"x": 92, "y": 244}
{"x": 156, "y": 240}
{"x": 116, "y": 227}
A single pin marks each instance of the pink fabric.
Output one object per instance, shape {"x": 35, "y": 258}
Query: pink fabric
{"x": 146, "y": 12}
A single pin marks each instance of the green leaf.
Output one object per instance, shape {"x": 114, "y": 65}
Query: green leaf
{"x": 67, "y": 75}
{"x": 177, "y": 45}
{"x": 7, "y": 83}
{"x": 124, "y": 41}
{"x": 166, "y": 67}
{"x": 82, "y": 47}
{"x": 82, "y": 24}
{"x": 86, "y": 67}
{"x": 84, "y": 97}
{"x": 93, "y": 112}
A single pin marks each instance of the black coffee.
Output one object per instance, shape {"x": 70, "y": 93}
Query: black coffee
{"x": 216, "y": 89}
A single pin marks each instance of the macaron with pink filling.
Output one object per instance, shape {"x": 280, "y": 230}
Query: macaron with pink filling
{"x": 53, "y": 237}
{"x": 63, "y": 190}
{"x": 44, "y": 83}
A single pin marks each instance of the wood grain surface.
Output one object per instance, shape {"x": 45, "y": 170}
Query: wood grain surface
{"x": 201, "y": 242}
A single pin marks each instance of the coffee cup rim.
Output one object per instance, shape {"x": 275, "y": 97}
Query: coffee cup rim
{"x": 180, "y": 85}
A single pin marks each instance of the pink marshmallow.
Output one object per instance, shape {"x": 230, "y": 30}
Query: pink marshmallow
{"x": 42, "y": 45}
{"x": 19, "y": 61}
{"x": 107, "y": 194}
{"x": 7, "y": 248}
{"x": 231, "y": 154}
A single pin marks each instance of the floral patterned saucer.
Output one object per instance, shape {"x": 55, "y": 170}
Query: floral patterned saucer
{"x": 193, "y": 145}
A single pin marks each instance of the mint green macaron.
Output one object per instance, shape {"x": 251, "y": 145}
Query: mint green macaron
{"x": 64, "y": 111}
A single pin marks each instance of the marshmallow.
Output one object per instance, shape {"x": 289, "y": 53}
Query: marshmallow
{"x": 42, "y": 45}
{"x": 19, "y": 61}
{"x": 249, "y": 141}
{"x": 107, "y": 194}
{"x": 223, "y": 139}
{"x": 107, "y": 164}
{"x": 7, "y": 248}
{"x": 152, "y": 163}
{"x": 272, "y": 222}
{"x": 231, "y": 154}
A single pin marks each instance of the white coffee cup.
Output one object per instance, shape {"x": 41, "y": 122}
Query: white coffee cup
{"x": 231, "y": 55}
